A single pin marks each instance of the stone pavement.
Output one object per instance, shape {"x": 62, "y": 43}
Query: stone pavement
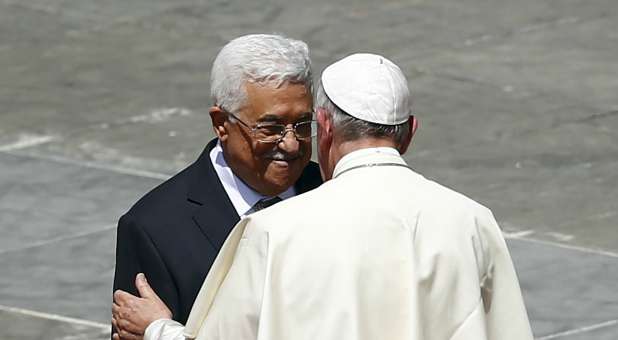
{"x": 101, "y": 101}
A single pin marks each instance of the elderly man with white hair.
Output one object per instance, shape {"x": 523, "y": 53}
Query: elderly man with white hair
{"x": 376, "y": 252}
{"x": 262, "y": 115}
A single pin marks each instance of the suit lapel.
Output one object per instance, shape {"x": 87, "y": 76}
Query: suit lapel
{"x": 216, "y": 215}
{"x": 215, "y": 223}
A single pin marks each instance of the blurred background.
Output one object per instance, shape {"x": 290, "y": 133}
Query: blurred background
{"x": 100, "y": 101}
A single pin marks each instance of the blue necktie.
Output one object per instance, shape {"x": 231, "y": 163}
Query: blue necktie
{"x": 263, "y": 204}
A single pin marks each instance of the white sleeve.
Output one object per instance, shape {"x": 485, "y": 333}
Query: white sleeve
{"x": 164, "y": 329}
{"x": 505, "y": 313}
{"x": 235, "y": 312}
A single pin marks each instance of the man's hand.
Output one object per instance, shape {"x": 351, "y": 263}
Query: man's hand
{"x": 131, "y": 314}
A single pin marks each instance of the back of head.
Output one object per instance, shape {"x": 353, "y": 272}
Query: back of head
{"x": 257, "y": 58}
{"x": 367, "y": 96}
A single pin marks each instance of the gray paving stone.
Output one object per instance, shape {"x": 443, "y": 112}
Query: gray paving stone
{"x": 516, "y": 99}
{"x": 565, "y": 289}
{"x": 43, "y": 200}
{"x": 78, "y": 78}
{"x": 71, "y": 278}
{"x": 531, "y": 159}
{"x": 66, "y": 74}
{"x": 605, "y": 333}
{"x": 15, "y": 326}
{"x": 91, "y": 15}
{"x": 573, "y": 59}
{"x": 178, "y": 134}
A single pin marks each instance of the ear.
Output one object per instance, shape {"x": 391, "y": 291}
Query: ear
{"x": 325, "y": 127}
{"x": 218, "y": 118}
{"x": 325, "y": 141}
{"x": 412, "y": 127}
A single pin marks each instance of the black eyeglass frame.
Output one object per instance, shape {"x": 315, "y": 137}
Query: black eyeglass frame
{"x": 284, "y": 128}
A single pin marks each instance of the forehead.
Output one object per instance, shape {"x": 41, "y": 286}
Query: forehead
{"x": 287, "y": 102}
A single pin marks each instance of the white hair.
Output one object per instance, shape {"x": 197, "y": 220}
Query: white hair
{"x": 351, "y": 128}
{"x": 257, "y": 58}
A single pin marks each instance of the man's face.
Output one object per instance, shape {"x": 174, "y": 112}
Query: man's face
{"x": 269, "y": 168}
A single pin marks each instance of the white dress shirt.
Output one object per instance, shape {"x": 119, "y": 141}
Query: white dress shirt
{"x": 242, "y": 196}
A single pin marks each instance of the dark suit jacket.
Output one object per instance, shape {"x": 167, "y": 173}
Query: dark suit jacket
{"x": 174, "y": 233}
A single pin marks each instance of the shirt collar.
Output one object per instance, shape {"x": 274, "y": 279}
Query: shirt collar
{"x": 242, "y": 196}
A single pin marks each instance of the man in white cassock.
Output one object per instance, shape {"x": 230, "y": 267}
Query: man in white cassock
{"x": 376, "y": 252}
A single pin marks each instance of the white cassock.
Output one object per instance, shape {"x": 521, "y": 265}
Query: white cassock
{"x": 377, "y": 253}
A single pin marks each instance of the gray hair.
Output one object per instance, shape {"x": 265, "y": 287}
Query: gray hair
{"x": 257, "y": 58}
{"x": 350, "y": 128}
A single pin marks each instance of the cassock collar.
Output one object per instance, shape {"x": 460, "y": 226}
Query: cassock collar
{"x": 367, "y": 156}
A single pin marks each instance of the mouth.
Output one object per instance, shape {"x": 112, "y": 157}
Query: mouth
{"x": 283, "y": 162}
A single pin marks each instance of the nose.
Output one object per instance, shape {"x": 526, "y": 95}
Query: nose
{"x": 289, "y": 143}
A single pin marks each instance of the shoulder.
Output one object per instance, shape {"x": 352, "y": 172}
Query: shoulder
{"x": 166, "y": 197}
{"x": 163, "y": 202}
{"x": 443, "y": 211}
{"x": 440, "y": 197}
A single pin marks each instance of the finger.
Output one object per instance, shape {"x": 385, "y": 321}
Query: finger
{"x": 144, "y": 288}
{"x": 115, "y": 310}
{"x": 119, "y": 312}
{"x": 119, "y": 325}
{"x": 121, "y": 297}
{"x": 129, "y": 326}
{"x": 125, "y": 335}
{"x": 117, "y": 296}
{"x": 115, "y": 336}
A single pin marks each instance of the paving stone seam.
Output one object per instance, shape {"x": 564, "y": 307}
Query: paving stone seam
{"x": 27, "y": 141}
{"x": 55, "y": 317}
{"x": 57, "y": 239}
{"x": 595, "y": 116}
{"x": 562, "y": 245}
{"x": 92, "y": 165}
{"x": 580, "y": 330}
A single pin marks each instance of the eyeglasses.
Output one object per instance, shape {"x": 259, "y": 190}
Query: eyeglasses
{"x": 274, "y": 133}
